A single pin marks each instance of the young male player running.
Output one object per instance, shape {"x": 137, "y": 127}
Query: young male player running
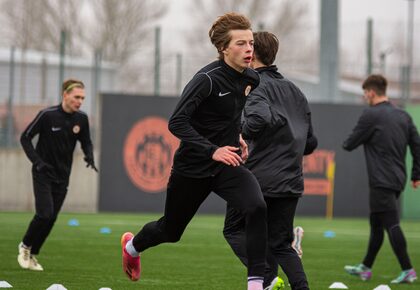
{"x": 207, "y": 120}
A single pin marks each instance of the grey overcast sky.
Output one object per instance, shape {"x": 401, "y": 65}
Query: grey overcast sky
{"x": 389, "y": 19}
{"x": 352, "y": 12}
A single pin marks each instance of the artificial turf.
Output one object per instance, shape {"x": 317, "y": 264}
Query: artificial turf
{"x": 83, "y": 258}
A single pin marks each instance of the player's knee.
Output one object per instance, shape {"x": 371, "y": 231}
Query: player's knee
{"x": 227, "y": 233}
{"x": 257, "y": 209}
{"x": 172, "y": 237}
{"x": 45, "y": 216}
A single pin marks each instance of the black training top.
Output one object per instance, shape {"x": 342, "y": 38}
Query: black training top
{"x": 277, "y": 124}
{"x": 58, "y": 132}
{"x": 386, "y": 131}
{"x": 208, "y": 116}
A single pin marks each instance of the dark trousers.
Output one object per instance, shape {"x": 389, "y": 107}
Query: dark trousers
{"x": 387, "y": 221}
{"x": 280, "y": 216}
{"x": 49, "y": 197}
{"x": 236, "y": 185}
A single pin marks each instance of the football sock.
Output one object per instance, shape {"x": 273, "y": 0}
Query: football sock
{"x": 255, "y": 283}
{"x": 130, "y": 249}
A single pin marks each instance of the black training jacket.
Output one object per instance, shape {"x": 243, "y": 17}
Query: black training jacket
{"x": 208, "y": 116}
{"x": 386, "y": 131}
{"x": 58, "y": 132}
{"x": 277, "y": 125}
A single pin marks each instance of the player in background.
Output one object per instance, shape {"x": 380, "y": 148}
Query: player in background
{"x": 386, "y": 132}
{"x": 58, "y": 129}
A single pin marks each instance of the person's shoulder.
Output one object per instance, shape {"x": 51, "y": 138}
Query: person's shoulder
{"x": 369, "y": 110}
{"x": 252, "y": 73}
{"x": 49, "y": 110}
{"x": 253, "y": 77}
{"x": 373, "y": 113}
{"x": 207, "y": 73}
{"x": 284, "y": 84}
{"x": 401, "y": 112}
{"x": 211, "y": 68}
{"x": 81, "y": 114}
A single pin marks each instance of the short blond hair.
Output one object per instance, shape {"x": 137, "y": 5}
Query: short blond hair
{"x": 70, "y": 84}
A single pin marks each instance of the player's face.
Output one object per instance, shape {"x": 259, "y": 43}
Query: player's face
{"x": 238, "y": 53}
{"x": 72, "y": 101}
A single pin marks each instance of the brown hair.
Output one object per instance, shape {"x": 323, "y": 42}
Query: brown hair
{"x": 266, "y": 46}
{"x": 378, "y": 83}
{"x": 70, "y": 84}
{"x": 219, "y": 31}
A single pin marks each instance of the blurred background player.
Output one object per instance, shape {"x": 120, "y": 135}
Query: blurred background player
{"x": 58, "y": 129}
{"x": 207, "y": 120}
{"x": 385, "y": 131}
{"x": 277, "y": 124}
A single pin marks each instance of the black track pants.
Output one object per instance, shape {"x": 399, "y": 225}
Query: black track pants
{"x": 387, "y": 221}
{"x": 49, "y": 197}
{"x": 237, "y": 186}
{"x": 280, "y": 216}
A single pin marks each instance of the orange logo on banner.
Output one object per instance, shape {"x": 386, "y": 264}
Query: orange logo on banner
{"x": 148, "y": 153}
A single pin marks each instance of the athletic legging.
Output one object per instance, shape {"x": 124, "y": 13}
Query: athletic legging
{"x": 389, "y": 221}
{"x": 280, "y": 216}
{"x": 49, "y": 197}
{"x": 237, "y": 186}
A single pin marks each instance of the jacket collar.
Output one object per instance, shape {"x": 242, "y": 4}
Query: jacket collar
{"x": 250, "y": 75}
{"x": 272, "y": 69}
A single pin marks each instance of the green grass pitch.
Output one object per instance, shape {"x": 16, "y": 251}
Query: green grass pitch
{"x": 82, "y": 258}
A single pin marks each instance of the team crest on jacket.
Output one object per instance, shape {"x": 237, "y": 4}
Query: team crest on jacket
{"x": 76, "y": 129}
{"x": 247, "y": 90}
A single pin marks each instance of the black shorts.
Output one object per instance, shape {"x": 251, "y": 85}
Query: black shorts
{"x": 383, "y": 199}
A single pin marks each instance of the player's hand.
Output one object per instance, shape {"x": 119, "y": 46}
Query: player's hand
{"x": 227, "y": 155}
{"x": 415, "y": 184}
{"x": 90, "y": 163}
{"x": 244, "y": 148}
{"x": 46, "y": 168}
{"x": 42, "y": 166}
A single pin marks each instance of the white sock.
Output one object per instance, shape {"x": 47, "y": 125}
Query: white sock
{"x": 255, "y": 283}
{"x": 130, "y": 249}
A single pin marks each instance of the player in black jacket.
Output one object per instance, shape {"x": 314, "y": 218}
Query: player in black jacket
{"x": 58, "y": 129}
{"x": 385, "y": 131}
{"x": 277, "y": 125}
{"x": 207, "y": 120}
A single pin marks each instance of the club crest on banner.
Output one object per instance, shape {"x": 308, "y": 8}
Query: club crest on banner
{"x": 148, "y": 153}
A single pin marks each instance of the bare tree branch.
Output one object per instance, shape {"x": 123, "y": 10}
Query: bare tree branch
{"x": 123, "y": 26}
{"x": 283, "y": 18}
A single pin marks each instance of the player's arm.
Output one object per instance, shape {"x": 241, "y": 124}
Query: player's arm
{"x": 256, "y": 115}
{"x": 414, "y": 144}
{"x": 28, "y": 134}
{"x": 361, "y": 133}
{"x": 195, "y": 92}
{"x": 86, "y": 144}
{"x": 311, "y": 140}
